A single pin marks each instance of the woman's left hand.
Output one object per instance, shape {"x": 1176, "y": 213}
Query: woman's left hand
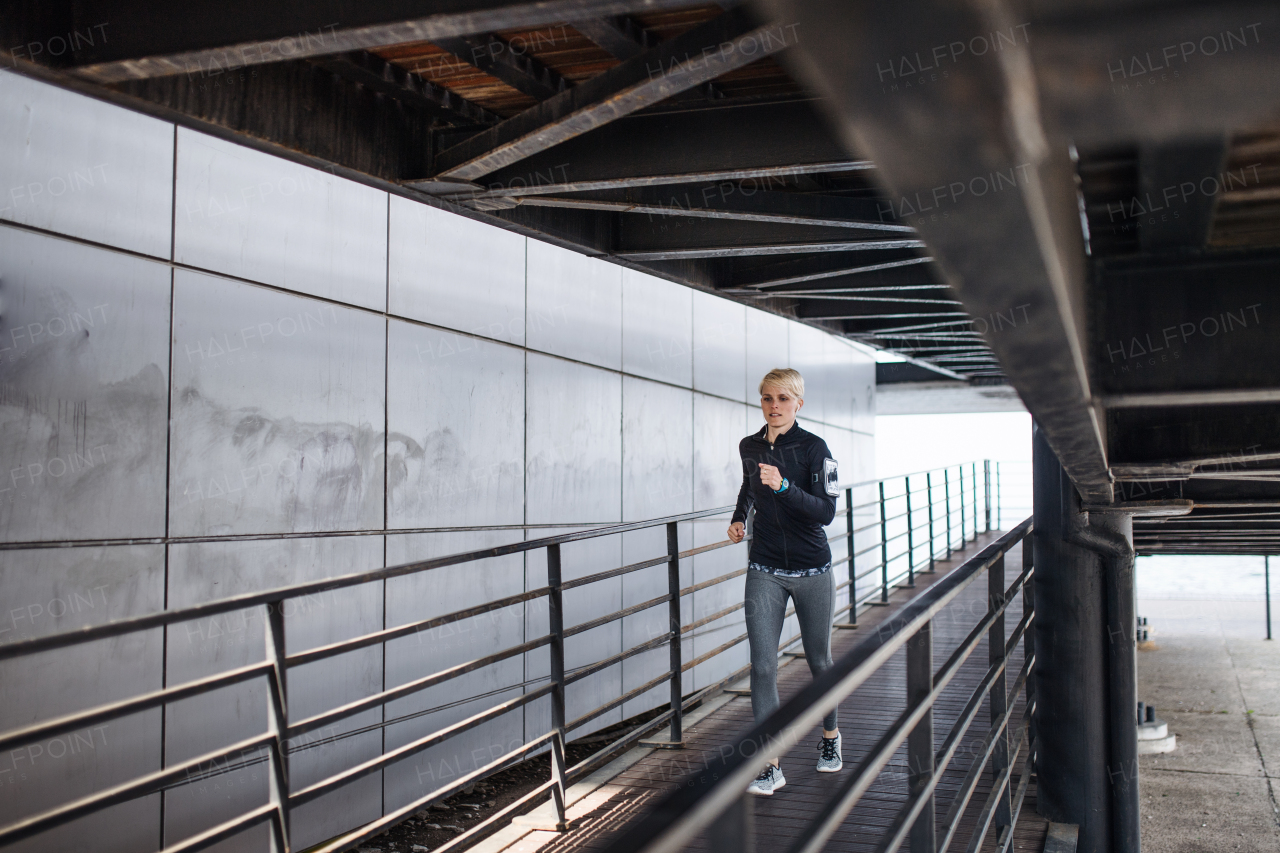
{"x": 770, "y": 476}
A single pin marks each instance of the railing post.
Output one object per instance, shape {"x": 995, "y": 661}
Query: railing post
{"x": 928, "y": 487}
{"x": 999, "y": 517}
{"x": 733, "y": 831}
{"x": 884, "y": 550}
{"x": 677, "y": 680}
{"x": 1266, "y": 569}
{"x": 853, "y": 583}
{"x": 946, "y": 492}
{"x": 999, "y": 692}
{"x": 555, "y": 608}
{"x": 1029, "y": 636}
{"x": 920, "y": 754}
{"x": 986, "y": 490}
{"x": 278, "y": 726}
{"x": 973, "y": 480}
{"x": 911, "y": 542}
{"x": 964, "y": 537}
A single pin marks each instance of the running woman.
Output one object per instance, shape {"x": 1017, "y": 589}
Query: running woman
{"x": 788, "y": 476}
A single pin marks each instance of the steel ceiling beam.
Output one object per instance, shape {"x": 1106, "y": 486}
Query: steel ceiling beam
{"x": 674, "y": 253}
{"x": 978, "y": 126}
{"x": 727, "y": 201}
{"x": 126, "y": 40}
{"x": 477, "y": 191}
{"x": 725, "y": 43}
{"x": 495, "y": 57}
{"x": 375, "y": 73}
{"x": 619, "y": 35}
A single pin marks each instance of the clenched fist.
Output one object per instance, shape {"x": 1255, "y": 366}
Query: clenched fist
{"x": 771, "y": 476}
{"x": 737, "y": 531}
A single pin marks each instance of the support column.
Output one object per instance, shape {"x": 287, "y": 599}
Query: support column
{"x": 1071, "y": 664}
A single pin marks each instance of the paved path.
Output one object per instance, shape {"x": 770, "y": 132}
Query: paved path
{"x": 1217, "y": 683}
{"x": 625, "y": 790}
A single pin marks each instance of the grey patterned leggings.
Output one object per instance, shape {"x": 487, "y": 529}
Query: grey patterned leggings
{"x": 766, "y": 604}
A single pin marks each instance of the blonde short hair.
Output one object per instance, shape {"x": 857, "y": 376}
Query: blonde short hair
{"x": 786, "y": 379}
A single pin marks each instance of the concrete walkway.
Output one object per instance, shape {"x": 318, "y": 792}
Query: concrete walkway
{"x": 1217, "y": 683}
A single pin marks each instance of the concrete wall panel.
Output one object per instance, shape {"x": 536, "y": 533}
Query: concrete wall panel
{"x": 452, "y": 271}
{"x": 657, "y": 328}
{"x": 84, "y": 366}
{"x": 50, "y": 591}
{"x": 574, "y": 306}
{"x": 278, "y": 412}
{"x": 251, "y": 215}
{"x": 719, "y": 346}
{"x": 208, "y": 570}
{"x": 77, "y": 166}
{"x": 455, "y": 419}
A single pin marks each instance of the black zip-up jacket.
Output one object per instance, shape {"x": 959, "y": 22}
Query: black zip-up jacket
{"x": 787, "y": 533}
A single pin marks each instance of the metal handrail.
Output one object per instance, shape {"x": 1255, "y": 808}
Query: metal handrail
{"x": 272, "y": 748}
{"x": 715, "y": 799}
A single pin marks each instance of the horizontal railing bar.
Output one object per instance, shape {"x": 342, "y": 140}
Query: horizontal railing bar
{"x": 688, "y": 810}
{"x": 839, "y": 561}
{"x": 387, "y": 634}
{"x": 1019, "y": 798}
{"x": 377, "y": 827}
{"x": 84, "y": 719}
{"x": 613, "y": 703}
{"x": 496, "y": 821}
{"x": 271, "y": 596}
{"x": 613, "y": 573}
{"x": 712, "y": 582}
{"x": 902, "y": 821}
{"x": 223, "y": 831}
{"x": 591, "y": 669}
{"x": 702, "y": 549}
{"x": 684, "y": 629}
{"x": 997, "y": 790}
{"x": 988, "y": 619}
{"x": 706, "y": 656}
{"x": 616, "y": 615}
{"x": 121, "y": 793}
{"x": 332, "y": 783}
{"x": 962, "y": 723}
{"x": 320, "y": 721}
{"x": 591, "y": 762}
{"x": 971, "y": 778}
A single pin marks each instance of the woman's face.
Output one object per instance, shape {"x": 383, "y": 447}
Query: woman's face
{"x": 779, "y": 406}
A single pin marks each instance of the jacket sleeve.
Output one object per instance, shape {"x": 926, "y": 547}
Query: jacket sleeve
{"x": 745, "y": 498}
{"x": 809, "y": 500}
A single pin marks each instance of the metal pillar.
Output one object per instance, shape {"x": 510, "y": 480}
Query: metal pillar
{"x": 673, "y": 587}
{"x": 911, "y": 542}
{"x": 920, "y": 746}
{"x": 928, "y": 487}
{"x": 964, "y": 537}
{"x": 986, "y": 491}
{"x": 946, "y": 494}
{"x": 998, "y": 695}
{"x": 555, "y": 601}
{"x": 884, "y": 550}
{"x": 853, "y": 583}
{"x": 1266, "y": 570}
{"x": 1071, "y": 719}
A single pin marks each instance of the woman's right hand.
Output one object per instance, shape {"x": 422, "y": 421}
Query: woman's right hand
{"x": 737, "y": 531}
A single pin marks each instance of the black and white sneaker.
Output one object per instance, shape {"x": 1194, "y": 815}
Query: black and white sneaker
{"x": 829, "y": 759}
{"x": 769, "y": 780}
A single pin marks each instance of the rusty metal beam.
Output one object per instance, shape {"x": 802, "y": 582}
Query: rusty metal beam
{"x": 118, "y": 40}
{"x": 673, "y": 253}
{"x": 495, "y": 57}
{"x": 375, "y": 73}
{"x": 728, "y": 42}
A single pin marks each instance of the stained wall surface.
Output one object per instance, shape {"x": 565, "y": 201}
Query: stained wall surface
{"x": 223, "y": 372}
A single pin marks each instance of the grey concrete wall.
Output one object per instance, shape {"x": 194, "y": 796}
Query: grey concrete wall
{"x": 221, "y": 372}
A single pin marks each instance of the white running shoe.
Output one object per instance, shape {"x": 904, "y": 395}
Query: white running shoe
{"x": 829, "y": 754}
{"x": 769, "y": 780}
